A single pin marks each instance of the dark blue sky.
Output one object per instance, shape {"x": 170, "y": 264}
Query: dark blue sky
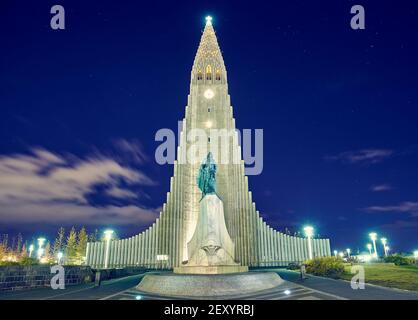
{"x": 338, "y": 108}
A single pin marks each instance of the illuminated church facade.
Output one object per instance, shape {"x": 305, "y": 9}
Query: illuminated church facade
{"x": 164, "y": 243}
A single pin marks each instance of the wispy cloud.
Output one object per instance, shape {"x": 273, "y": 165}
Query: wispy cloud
{"x": 132, "y": 149}
{"x": 404, "y": 207}
{"x": 48, "y": 187}
{"x": 364, "y": 156}
{"x": 401, "y": 224}
{"x": 381, "y": 187}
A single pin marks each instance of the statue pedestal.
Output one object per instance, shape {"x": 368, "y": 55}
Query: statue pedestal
{"x": 211, "y": 250}
{"x": 210, "y": 269}
{"x": 201, "y": 286}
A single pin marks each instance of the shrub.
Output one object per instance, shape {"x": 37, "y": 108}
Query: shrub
{"x": 331, "y": 267}
{"x": 26, "y": 261}
{"x": 293, "y": 266}
{"x": 9, "y": 263}
{"x": 399, "y": 260}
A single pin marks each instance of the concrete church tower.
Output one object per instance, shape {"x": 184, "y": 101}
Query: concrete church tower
{"x": 164, "y": 244}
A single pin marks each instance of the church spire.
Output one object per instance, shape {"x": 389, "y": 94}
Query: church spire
{"x": 208, "y": 65}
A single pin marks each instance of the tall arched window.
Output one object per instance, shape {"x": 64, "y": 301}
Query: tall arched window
{"x": 218, "y": 75}
{"x": 208, "y": 72}
{"x": 199, "y": 75}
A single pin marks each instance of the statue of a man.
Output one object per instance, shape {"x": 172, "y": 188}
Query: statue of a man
{"x": 206, "y": 178}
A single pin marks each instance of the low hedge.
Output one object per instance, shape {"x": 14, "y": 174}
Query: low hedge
{"x": 331, "y": 267}
{"x": 399, "y": 260}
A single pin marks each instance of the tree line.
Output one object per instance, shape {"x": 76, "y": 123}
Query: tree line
{"x": 71, "y": 244}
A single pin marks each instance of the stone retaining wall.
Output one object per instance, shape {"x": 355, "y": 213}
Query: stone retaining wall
{"x": 25, "y": 277}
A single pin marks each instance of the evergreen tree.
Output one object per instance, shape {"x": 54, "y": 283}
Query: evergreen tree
{"x": 13, "y": 246}
{"x": 3, "y": 251}
{"x": 5, "y": 240}
{"x": 19, "y": 243}
{"x": 93, "y": 237}
{"x": 81, "y": 244}
{"x": 59, "y": 242}
{"x": 70, "y": 250}
{"x": 47, "y": 253}
{"x": 24, "y": 252}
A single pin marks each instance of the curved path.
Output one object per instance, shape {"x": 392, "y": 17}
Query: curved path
{"x": 312, "y": 288}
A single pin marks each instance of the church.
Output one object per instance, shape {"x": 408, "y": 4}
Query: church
{"x": 164, "y": 244}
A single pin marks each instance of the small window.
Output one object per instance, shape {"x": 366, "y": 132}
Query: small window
{"x": 208, "y": 72}
{"x": 218, "y": 75}
{"x": 208, "y": 109}
{"x": 208, "y": 139}
{"x": 199, "y": 75}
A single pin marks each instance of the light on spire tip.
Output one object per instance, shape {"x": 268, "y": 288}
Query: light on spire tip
{"x": 208, "y": 20}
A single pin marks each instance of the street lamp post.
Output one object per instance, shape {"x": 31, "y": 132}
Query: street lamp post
{"x": 348, "y": 252}
{"x": 59, "y": 256}
{"x": 31, "y": 247}
{"x": 335, "y": 253}
{"x": 108, "y": 237}
{"x": 416, "y": 256}
{"x": 373, "y": 237}
{"x": 384, "y": 241}
{"x": 369, "y": 246}
{"x": 309, "y": 233}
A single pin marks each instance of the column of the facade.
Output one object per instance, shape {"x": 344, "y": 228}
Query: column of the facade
{"x": 328, "y": 247}
{"x": 262, "y": 242}
{"x": 240, "y": 236}
{"x": 180, "y": 217}
{"x": 293, "y": 248}
{"x": 119, "y": 253}
{"x": 88, "y": 253}
{"x": 255, "y": 244}
{"x": 99, "y": 254}
{"x": 122, "y": 252}
{"x": 266, "y": 243}
{"x": 175, "y": 216}
{"x": 298, "y": 255}
{"x": 259, "y": 241}
{"x": 131, "y": 251}
{"x": 271, "y": 258}
{"x": 111, "y": 253}
{"x": 305, "y": 249}
{"x": 270, "y": 234}
{"x": 135, "y": 251}
{"x": 93, "y": 253}
{"x": 167, "y": 227}
{"x": 322, "y": 248}
{"x": 146, "y": 249}
{"x": 276, "y": 243}
{"x": 152, "y": 246}
{"x": 164, "y": 229}
{"x": 246, "y": 216}
{"x": 316, "y": 252}
{"x": 171, "y": 213}
{"x": 282, "y": 251}
{"x": 157, "y": 242}
{"x": 302, "y": 244}
{"x": 141, "y": 249}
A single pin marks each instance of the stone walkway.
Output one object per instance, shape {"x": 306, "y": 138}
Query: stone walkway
{"x": 313, "y": 288}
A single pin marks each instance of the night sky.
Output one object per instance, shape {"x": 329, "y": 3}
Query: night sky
{"x": 79, "y": 109}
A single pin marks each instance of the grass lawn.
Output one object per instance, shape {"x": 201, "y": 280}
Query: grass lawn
{"x": 388, "y": 275}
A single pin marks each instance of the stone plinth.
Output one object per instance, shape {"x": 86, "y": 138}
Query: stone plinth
{"x": 210, "y": 269}
{"x": 211, "y": 244}
{"x": 208, "y": 286}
